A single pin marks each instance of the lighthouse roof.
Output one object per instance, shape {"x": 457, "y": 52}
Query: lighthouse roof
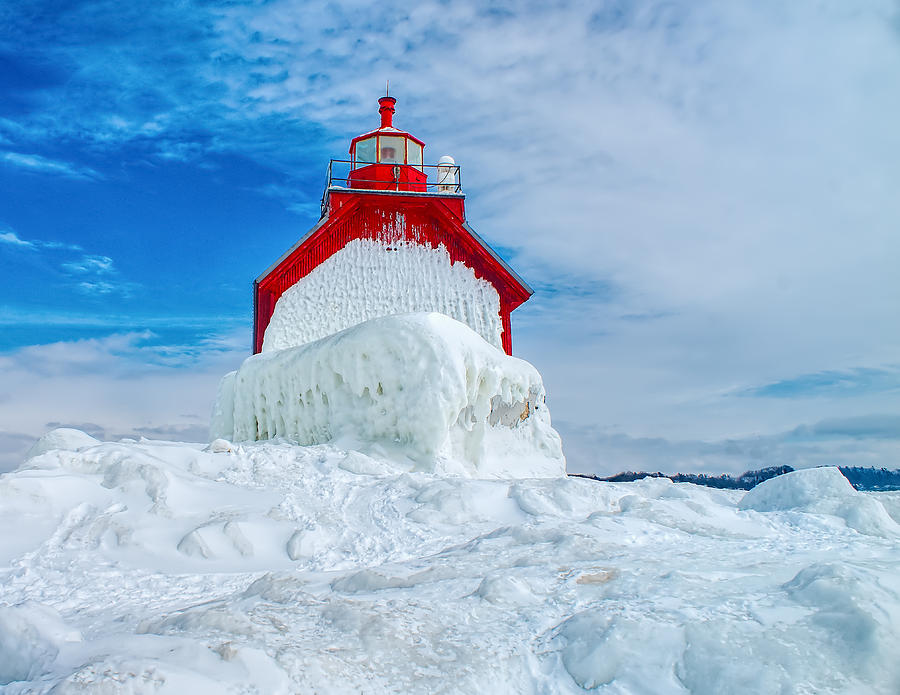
{"x": 385, "y": 131}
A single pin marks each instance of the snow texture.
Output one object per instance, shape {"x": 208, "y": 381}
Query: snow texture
{"x": 422, "y": 385}
{"x": 156, "y": 567}
{"x": 367, "y": 279}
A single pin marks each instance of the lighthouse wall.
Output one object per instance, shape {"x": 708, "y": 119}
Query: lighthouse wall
{"x": 369, "y": 279}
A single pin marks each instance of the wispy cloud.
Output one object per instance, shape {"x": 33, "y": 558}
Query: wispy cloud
{"x": 296, "y": 198}
{"x": 97, "y": 275}
{"x": 844, "y": 383}
{"x": 10, "y": 315}
{"x": 39, "y": 164}
{"x": 860, "y": 427}
{"x": 100, "y": 265}
{"x": 13, "y": 239}
{"x": 89, "y": 274}
{"x": 10, "y": 237}
{"x": 101, "y": 287}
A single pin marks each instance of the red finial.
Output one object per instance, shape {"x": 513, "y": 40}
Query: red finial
{"x": 386, "y": 109}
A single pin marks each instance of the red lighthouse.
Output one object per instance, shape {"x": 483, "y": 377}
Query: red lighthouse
{"x": 393, "y": 238}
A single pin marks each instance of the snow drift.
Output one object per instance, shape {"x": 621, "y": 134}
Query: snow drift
{"x": 421, "y": 385}
{"x": 822, "y": 491}
{"x": 156, "y": 567}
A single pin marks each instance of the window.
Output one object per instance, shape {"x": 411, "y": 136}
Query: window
{"x": 392, "y": 150}
{"x": 414, "y": 154}
{"x": 365, "y": 152}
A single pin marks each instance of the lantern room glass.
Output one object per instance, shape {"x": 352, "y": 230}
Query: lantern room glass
{"x": 391, "y": 149}
{"x": 414, "y": 154}
{"x": 365, "y": 152}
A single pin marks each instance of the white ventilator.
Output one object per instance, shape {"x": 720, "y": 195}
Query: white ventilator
{"x": 447, "y": 175}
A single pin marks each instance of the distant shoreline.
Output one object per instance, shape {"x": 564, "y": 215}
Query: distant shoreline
{"x": 865, "y": 479}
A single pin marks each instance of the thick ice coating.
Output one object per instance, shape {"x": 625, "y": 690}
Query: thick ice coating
{"x": 367, "y": 279}
{"x": 423, "y": 383}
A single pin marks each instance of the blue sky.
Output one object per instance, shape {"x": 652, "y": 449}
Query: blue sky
{"x": 704, "y": 195}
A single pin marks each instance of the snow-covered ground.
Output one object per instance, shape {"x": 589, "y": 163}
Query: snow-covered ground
{"x": 139, "y": 567}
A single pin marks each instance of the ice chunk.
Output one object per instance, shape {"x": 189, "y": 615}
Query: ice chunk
{"x": 367, "y": 279}
{"x": 30, "y": 636}
{"x": 797, "y": 490}
{"x": 603, "y": 649}
{"x": 424, "y": 385}
{"x": 822, "y": 491}
{"x": 62, "y": 438}
{"x": 503, "y": 589}
{"x": 219, "y": 446}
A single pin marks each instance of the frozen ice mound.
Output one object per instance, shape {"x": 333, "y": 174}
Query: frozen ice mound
{"x": 424, "y": 386}
{"x": 63, "y": 439}
{"x": 822, "y": 491}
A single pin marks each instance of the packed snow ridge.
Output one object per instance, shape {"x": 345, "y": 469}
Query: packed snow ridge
{"x": 368, "y": 279}
{"x": 265, "y": 567}
{"x": 423, "y": 386}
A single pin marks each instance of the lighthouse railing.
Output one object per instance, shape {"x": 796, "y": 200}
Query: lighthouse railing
{"x": 441, "y": 178}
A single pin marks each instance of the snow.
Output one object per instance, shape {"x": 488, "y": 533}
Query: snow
{"x": 64, "y": 438}
{"x": 30, "y": 637}
{"x": 423, "y": 386}
{"x": 368, "y": 279}
{"x": 267, "y": 567}
{"x": 823, "y": 491}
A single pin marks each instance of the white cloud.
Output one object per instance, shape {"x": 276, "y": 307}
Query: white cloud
{"x": 91, "y": 274}
{"x": 100, "y": 265}
{"x": 99, "y": 287}
{"x": 97, "y": 275}
{"x": 12, "y": 238}
{"x": 37, "y": 163}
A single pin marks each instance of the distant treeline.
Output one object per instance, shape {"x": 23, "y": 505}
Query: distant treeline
{"x": 872, "y": 478}
{"x": 860, "y": 478}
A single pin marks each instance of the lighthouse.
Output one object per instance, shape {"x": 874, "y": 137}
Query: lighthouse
{"x": 387, "y": 325}
{"x": 393, "y": 239}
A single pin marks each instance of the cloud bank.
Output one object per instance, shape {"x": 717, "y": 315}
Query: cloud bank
{"x": 122, "y": 385}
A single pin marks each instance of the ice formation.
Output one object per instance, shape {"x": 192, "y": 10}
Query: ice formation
{"x": 367, "y": 279}
{"x": 822, "y": 491}
{"x": 424, "y": 385}
{"x": 169, "y": 568}
{"x": 64, "y": 438}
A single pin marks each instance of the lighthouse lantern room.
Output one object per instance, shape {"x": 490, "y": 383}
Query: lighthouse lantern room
{"x": 387, "y": 158}
{"x": 393, "y": 238}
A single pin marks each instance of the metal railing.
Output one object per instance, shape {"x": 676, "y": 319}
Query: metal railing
{"x": 440, "y": 178}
